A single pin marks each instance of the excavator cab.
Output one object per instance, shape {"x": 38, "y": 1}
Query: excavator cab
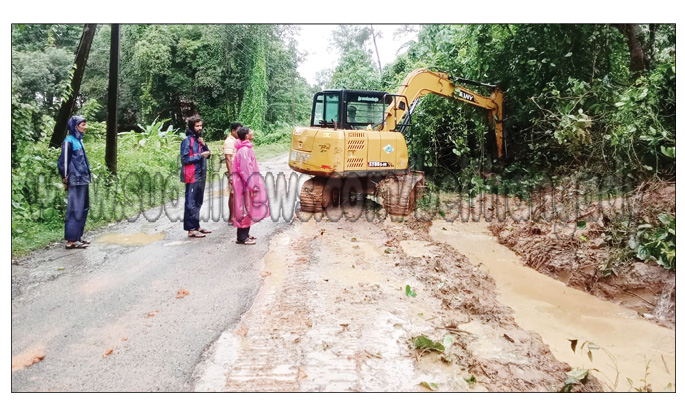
{"x": 350, "y": 109}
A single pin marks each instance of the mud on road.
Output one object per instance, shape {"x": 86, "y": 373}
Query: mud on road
{"x": 333, "y": 315}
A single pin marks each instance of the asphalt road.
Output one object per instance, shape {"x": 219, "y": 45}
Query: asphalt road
{"x": 75, "y": 305}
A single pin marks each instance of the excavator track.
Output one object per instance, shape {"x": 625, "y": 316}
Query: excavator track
{"x": 311, "y": 195}
{"x": 399, "y": 192}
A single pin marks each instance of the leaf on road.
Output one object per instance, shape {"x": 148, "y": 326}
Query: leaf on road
{"x": 124, "y": 338}
{"x": 151, "y": 314}
{"x": 430, "y": 385}
{"x": 108, "y": 353}
{"x": 577, "y": 375}
{"x": 425, "y": 343}
{"x": 182, "y": 293}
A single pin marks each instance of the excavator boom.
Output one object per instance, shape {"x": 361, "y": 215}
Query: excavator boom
{"x": 423, "y": 81}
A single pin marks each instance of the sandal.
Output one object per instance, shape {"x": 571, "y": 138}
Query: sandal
{"x": 246, "y": 242}
{"x": 204, "y": 231}
{"x": 251, "y": 237}
{"x": 195, "y": 234}
{"x": 84, "y": 241}
{"x": 74, "y": 245}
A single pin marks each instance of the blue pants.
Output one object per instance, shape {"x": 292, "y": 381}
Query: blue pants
{"x": 191, "y": 215}
{"x": 78, "y": 204}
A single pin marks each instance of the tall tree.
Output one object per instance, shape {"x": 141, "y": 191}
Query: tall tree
{"x": 253, "y": 107}
{"x": 68, "y": 105}
{"x": 639, "y": 48}
{"x": 112, "y": 96}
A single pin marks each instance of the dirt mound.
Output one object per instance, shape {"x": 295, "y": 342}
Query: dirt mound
{"x": 521, "y": 361}
{"x": 584, "y": 257}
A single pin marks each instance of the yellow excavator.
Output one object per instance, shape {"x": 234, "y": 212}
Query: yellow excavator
{"x": 355, "y": 143}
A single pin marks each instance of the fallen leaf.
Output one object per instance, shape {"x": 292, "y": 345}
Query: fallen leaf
{"x": 27, "y": 359}
{"x": 108, "y": 353}
{"x": 509, "y": 338}
{"x": 430, "y": 385}
{"x": 124, "y": 338}
{"x": 182, "y": 293}
{"x": 151, "y": 314}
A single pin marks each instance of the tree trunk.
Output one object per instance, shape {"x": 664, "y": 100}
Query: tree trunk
{"x": 373, "y": 34}
{"x": 67, "y": 106}
{"x": 112, "y": 97}
{"x": 638, "y": 54}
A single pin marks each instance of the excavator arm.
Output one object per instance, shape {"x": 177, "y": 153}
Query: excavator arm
{"x": 423, "y": 81}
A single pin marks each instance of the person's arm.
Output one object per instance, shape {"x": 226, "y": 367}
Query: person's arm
{"x": 229, "y": 163}
{"x": 63, "y": 165}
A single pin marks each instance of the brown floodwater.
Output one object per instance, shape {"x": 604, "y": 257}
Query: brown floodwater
{"x": 560, "y": 313}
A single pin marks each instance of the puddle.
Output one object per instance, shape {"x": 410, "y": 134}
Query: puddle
{"x": 130, "y": 239}
{"x": 559, "y": 313}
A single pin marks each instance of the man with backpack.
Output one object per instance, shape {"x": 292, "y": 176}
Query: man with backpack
{"x": 194, "y": 154}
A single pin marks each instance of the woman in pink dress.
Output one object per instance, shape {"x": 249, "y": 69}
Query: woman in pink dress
{"x": 250, "y": 204}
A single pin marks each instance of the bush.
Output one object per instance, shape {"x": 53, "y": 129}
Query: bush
{"x": 656, "y": 243}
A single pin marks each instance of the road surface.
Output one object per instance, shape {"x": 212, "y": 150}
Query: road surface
{"x": 120, "y": 294}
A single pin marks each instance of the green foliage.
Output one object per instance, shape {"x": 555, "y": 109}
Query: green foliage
{"x": 37, "y": 37}
{"x": 170, "y": 71}
{"x": 356, "y": 70}
{"x": 656, "y": 243}
{"x": 278, "y": 135}
{"x": 39, "y": 76}
{"x": 253, "y": 108}
{"x": 570, "y": 98}
{"x": 426, "y": 344}
{"x": 347, "y": 38}
{"x": 154, "y": 135}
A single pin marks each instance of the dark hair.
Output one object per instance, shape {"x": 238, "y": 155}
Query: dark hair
{"x": 242, "y": 133}
{"x": 193, "y": 120}
{"x": 236, "y": 126}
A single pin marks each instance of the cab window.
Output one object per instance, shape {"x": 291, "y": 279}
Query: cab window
{"x": 325, "y": 110}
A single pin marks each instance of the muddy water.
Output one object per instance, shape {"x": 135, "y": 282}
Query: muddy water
{"x": 130, "y": 239}
{"x": 559, "y": 313}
